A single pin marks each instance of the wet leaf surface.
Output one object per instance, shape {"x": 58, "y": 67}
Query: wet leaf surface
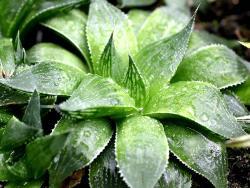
{"x": 166, "y": 55}
{"x": 161, "y": 23}
{"x": 198, "y": 153}
{"x": 197, "y": 101}
{"x": 103, "y": 20}
{"x": 174, "y": 177}
{"x": 104, "y": 172}
{"x": 215, "y": 64}
{"x": 71, "y": 26}
{"x": 87, "y": 139}
{"x": 141, "y": 151}
{"x": 97, "y": 97}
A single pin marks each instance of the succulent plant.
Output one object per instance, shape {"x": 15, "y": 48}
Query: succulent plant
{"x": 144, "y": 102}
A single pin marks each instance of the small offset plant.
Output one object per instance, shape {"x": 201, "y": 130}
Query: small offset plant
{"x": 144, "y": 100}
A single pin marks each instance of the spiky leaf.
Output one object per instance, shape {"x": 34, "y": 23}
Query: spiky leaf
{"x": 103, "y": 20}
{"x": 97, "y": 97}
{"x": 141, "y": 151}
{"x": 56, "y": 71}
{"x": 41, "y": 152}
{"x": 104, "y": 172}
{"x": 174, "y": 177}
{"x": 135, "y": 83}
{"x": 107, "y": 60}
{"x": 162, "y": 23}
{"x": 32, "y": 116}
{"x": 71, "y": 26}
{"x": 197, "y": 101}
{"x": 200, "y": 39}
{"x": 234, "y": 105}
{"x": 198, "y": 153}
{"x": 166, "y": 56}
{"x": 216, "y": 64}
{"x": 25, "y": 13}
{"x": 86, "y": 140}
{"x": 16, "y": 134}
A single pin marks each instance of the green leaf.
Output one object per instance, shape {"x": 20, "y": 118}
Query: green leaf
{"x": 166, "y": 56}
{"x": 141, "y": 151}
{"x": 162, "y": 23}
{"x": 7, "y": 58}
{"x": 86, "y": 141}
{"x": 234, "y": 105}
{"x": 10, "y": 96}
{"x": 32, "y": 116}
{"x": 42, "y": 9}
{"x": 198, "y": 153}
{"x": 181, "y": 5}
{"x": 41, "y": 152}
{"x": 49, "y": 52}
{"x": 20, "y": 54}
{"x": 107, "y": 60}
{"x": 5, "y": 116}
{"x": 74, "y": 32}
{"x": 104, "y": 172}
{"x": 133, "y": 3}
{"x": 135, "y": 83}
{"x": 103, "y": 20}
{"x": 16, "y": 134}
{"x": 56, "y": 71}
{"x": 137, "y": 18}
{"x": 25, "y": 13}
{"x": 5, "y": 174}
{"x": 174, "y": 176}
{"x": 30, "y": 184}
{"x": 200, "y": 39}
{"x": 216, "y": 64}
{"x": 11, "y": 15}
{"x": 243, "y": 92}
{"x": 97, "y": 97}
{"x": 200, "y": 102}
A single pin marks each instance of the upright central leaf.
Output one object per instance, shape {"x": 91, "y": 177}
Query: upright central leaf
{"x": 158, "y": 61}
{"x": 105, "y": 19}
{"x": 141, "y": 151}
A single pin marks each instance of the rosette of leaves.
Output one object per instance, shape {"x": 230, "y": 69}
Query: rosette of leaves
{"x": 146, "y": 102}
